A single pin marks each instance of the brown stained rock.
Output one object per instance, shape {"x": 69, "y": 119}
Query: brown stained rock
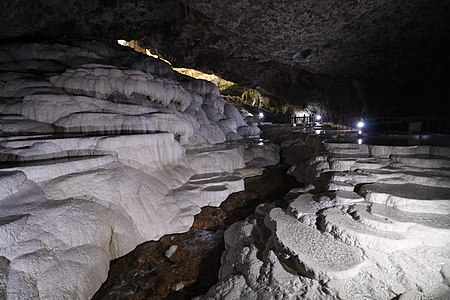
{"x": 146, "y": 272}
{"x": 210, "y": 218}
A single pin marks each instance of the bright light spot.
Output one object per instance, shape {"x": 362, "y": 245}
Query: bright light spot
{"x": 360, "y": 124}
{"x": 135, "y": 45}
{"x": 261, "y": 115}
{"x": 318, "y": 117}
{"x": 301, "y": 113}
{"x": 295, "y": 124}
{"x": 360, "y": 141}
{"x": 318, "y": 131}
{"x": 260, "y": 144}
{"x": 359, "y": 132}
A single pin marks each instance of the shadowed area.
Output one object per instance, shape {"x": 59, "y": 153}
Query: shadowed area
{"x": 372, "y": 57}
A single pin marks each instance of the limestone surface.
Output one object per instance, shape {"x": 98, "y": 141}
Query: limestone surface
{"x": 354, "y": 231}
{"x": 103, "y": 149}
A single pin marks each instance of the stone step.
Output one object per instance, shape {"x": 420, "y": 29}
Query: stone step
{"x": 392, "y": 175}
{"x": 18, "y": 125}
{"x": 409, "y": 197}
{"x": 315, "y": 255}
{"x": 340, "y": 186}
{"x": 396, "y": 216}
{"x": 149, "y": 151}
{"x": 43, "y": 170}
{"x": 346, "y": 229}
{"x": 426, "y": 228}
{"x": 423, "y": 160}
{"x": 202, "y": 190}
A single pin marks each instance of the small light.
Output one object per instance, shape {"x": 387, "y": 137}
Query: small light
{"x": 295, "y": 124}
{"x": 360, "y": 141}
{"x": 318, "y": 117}
{"x": 360, "y": 132}
{"x": 261, "y": 115}
{"x": 360, "y": 124}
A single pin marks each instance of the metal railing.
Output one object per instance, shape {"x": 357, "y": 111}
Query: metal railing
{"x": 416, "y": 124}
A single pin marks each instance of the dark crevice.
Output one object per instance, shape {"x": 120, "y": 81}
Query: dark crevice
{"x": 194, "y": 266}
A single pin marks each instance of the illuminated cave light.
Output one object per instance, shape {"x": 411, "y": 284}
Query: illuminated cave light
{"x": 360, "y": 124}
{"x": 301, "y": 113}
{"x": 135, "y": 45}
{"x": 360, "y": 141}
{"x": 261, "y": 115}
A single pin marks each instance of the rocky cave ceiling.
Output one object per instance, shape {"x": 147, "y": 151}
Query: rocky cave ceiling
{"x": 353, "y": 56}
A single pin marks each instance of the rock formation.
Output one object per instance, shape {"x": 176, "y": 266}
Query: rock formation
{"x": 375, "y": 223}
{"x": 103, "y": 149}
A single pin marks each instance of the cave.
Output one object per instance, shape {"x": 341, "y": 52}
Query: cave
{"x": 205, "y": 149}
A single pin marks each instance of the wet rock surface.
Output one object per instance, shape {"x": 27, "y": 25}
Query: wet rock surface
{"x": 185, "y": 265}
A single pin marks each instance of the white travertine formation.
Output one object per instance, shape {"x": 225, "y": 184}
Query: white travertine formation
{"x": 129, "y": 78}
{"x": 103, "y": 81}
{"x": 50, "y": 108}
{"x": 102, "y": 149}
{"x": 409, "y": 197}
{"x": 13, "y": 124}
{"x": 375, "y": 226}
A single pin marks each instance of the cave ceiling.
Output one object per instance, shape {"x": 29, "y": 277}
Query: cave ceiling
{"x": 368, "y": 52}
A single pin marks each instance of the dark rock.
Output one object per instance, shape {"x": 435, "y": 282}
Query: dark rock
{"x": 397, "y": 52}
